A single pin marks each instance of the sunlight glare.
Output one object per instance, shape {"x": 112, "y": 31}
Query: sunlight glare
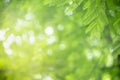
{"x": 96, "y": 53}
{"x": 62, "y": 46}
{"x": 2, "y": 35}
{"x": 49, "y": 51}
{"x": 18, "y": 40}
{"x": 8, "y": 51}
{"x": 106, "y": 77}
{"x": 41, "y": 37}
{"x": 111, "y": 50}
{"x": 7, "y": 1}
{"x": 9, "y": 41}
{"x": 60, "y": 27}
{"x": 29, "y": 16}
{"x": 19, "y": 23}
{"x": 89, "y": 56}
{"x": 37, "y": 76}
{"x": 24, "y": 37}
{"x": 109, "y": 60}
{"x": 31, "y": 37}
{"x": 95, "y": 42}
{"x": 68, "y": 12}
{"x": 71, "y": 2}
{"x": 47, "y": 78}
{"x": 49, "y": 31}
{"x": 51, "y": 40}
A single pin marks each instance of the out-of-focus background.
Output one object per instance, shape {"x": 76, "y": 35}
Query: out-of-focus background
{"x": 59, "y": 39}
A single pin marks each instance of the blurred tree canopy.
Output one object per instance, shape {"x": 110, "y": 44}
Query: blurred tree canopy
{"x": 59, "y": 39}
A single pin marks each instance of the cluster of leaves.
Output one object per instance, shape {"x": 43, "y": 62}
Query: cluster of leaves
{"x": 59, "y": 39}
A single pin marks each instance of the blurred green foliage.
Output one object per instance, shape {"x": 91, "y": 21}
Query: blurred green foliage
{"x": 59, "y": 39}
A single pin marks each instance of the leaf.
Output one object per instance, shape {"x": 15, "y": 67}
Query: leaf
{"x": 87, "y": 4}
{"x": 91, "y": 27}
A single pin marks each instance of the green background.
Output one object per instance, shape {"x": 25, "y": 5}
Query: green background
{"x": 59, "y": 39}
